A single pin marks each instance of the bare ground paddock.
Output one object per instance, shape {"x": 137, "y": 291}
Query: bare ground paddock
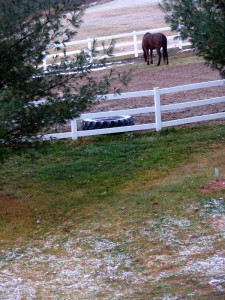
{"x": 184, "y": 68}
{"x": 120, "y": 16}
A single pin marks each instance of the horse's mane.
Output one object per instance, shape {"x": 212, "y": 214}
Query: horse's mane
{"x": 147, "y": 33}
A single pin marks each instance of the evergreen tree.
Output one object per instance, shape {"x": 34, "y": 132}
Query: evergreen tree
{"x": 203, "y": 21}
{"x": 27, "y": 29}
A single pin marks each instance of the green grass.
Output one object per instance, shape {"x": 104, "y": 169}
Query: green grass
{"x": 131, "y": 201}
{"x": 110, "y": 171}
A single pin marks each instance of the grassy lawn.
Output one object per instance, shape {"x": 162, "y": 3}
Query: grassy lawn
{"x": 124, "y": 216}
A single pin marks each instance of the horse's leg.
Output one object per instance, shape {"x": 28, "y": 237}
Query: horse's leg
{"x": 159, "y": 54}
{"x": 147, "y": 57}
{"x": 151, "y": 56}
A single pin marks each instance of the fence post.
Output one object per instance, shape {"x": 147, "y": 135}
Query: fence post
{"x": 89, "y": 41}
{"x": 74, "y": 129}
{"x": 44, "y": 61}
{"x": 158, "y": 119}
{"x": 135, "y": 44}
{"x": 180, "y": 44}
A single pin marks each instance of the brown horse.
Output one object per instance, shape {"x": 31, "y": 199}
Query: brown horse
{"x": 153, "y": 41}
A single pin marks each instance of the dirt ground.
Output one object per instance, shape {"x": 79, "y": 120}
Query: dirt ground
{"x": 120, "y": 16}
{"x": 179, "y": 72}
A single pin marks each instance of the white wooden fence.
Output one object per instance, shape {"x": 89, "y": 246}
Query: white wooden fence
{"x": 130, "y": 44}
{"x": 157, "y": 109}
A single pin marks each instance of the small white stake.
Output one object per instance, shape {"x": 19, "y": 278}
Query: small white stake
{"x": 216, "y": 174}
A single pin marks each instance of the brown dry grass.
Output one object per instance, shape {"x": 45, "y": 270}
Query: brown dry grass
{"x": 101, "y": 22}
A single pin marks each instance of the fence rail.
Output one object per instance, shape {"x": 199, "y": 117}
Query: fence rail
{"x": 124, "y": 48}
{"x": 157, "y": 109}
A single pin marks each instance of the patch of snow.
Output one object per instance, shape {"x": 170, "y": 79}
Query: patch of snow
{"x": 210, "y": 266}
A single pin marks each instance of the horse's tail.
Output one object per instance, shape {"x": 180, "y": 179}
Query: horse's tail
{"x": 144, "y": 53}
{"x": 164, "y": 46}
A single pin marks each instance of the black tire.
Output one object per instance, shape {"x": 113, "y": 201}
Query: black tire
{"x": 107, "y": 122}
